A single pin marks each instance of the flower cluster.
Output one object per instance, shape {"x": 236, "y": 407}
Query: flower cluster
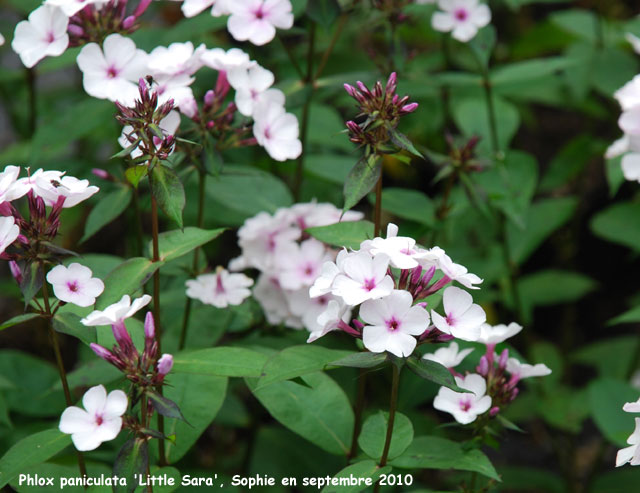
{"x": 389, "y": 279}
{"x": 493, "y": 386}
{"x": 249, "y": 20}
{"x": 381, "y": 108}
{"x": 628, "y": 146}
{"x": 462, "y": 18}
{"x": 58, "y": 24}
{"x": 289, "y": 261}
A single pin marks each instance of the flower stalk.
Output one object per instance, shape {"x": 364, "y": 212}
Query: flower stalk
{"x": 393, "y": 403}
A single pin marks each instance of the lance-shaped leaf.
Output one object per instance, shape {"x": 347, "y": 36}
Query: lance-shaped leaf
{"x": 25, "y": 317}
{"x": 361, "y": 179}
{"x": 175, "y": 244}
{"x": 402, "y": 141}
{"x": 32, "y": 277}
{"x": 136, "y": 173}
{"x": 434, "y": 371}
{"x": 360, "y": 360}
{"x": 167, "y": 189}
{"x": 127, "y": 278}
{"x": 131, "y": 460}
{"x": 69, "y": 323}
{"x": 110, "y": 207}
{"x": 165, "y": 406}
{"x": 344, "y": 234}
{"x": 127, "y": 150}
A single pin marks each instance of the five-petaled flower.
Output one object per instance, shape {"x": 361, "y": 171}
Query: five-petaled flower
{"x": 463, "y": 318}
{"x": 74, "y": 284}
{"x": 465, "y": 407}
{"x": 220, "y": 289}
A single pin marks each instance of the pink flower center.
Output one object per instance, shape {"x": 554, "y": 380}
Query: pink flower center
{"x": 450, "y": 320}
{"x": 267, "y": 133}
{"x": 50, "y": 37}
{"x": 465, "y": 404}
{"x": 408, "y": 251}
{"x": 369, "y": 284}
{"x": 259, "y": 13}
{"x": 461, "y": 14}
{"x": 393, "y": 324}
{"x": 219, "y": 287}
{"x": 112, "y": 72}
{"x": 99, "y": 419}
{"x": 308, "y": 270}
{"x": 73, "y": 286}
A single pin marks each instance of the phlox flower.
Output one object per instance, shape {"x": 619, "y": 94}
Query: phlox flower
{"x": 277, "y": 131}
{"x": 250, "y": 85}
{"x": 329, "y": 320}
{"x": 363, "y": 278}
{"x": 72, "y": 7}
{"x": 401, "y": 250}
{"x": 75, "y": 284}
{"x": 256, "y": 20}
{"x": 71, "y": 188}
{"x": 34, "y": 182}
{"x": 630, "y": 454}
{"x": 449, "y": 356}
{"x": 116, "y": 312}
{"x": 8, "y": 190}
{"x": 330, "y": 270}
{"x": 298, "y": 265}
{"x": 463, "y": 318}
{"x": 462, "y": 18}
{"x": 498, "y": 333}
{"x": 99, "y": 421}
{"x": 191, "y": 8}
{"x": 43, "y": 34}
{"x": 629, "y": 94}
{"x": 392, "y": 322}
{"x": 176, "y": 59}
{"x": 523, "y": 370}
{"x": 632, "y": 407}
{"x": 113, "y": 70}
{"x": 274, "y": 302}
{"x": 226, "y": 61}
{"x": 9, "y": 232}
{"x": 465, "y": 407}
{"x": 457, "y": 272}
{"x": 220, "y": 289}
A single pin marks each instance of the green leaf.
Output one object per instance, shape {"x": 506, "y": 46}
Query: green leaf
{"x": 30, "y": 451}
{"x": 174, "y": 244}
{"x": 248, "y": 191}
{"x": 620, "y": 224}
{"x": 164, "y": 406}
{"x": 361, "y": 360}
{"x": 429, "y": 452}
{"x": 374, "y": 432}
{"x": 347, "y": 234}
{"x": 363, "y": 469}
{"x": 434, "y": 372}
{"x": 110, "y": 207}
{"x": 482, "y": 45}
{"x": 136, "y": 173}
{"x": 403, "y": 142}
{"x": 69, "y": 323}
{"x": 32, "y": 277}
{"x": 606, "y": 398}
{"x": 331, "y": 167}
{"x": 295, "y": 361}
{"x": 407, "y": 204}
{"x": 323, "y": 12}
{"x": 529, "y": 70}
{"x": 220, "y": 361}
{"x": 612, "y": 357}
{"x": 167, "y": 188}
{"x": 127, "y": 150}
{"x": 18, "y": 319}
{"x": 542, "y": 219}
{"x": 553, "y": 287}
{"x": 361, "y": 180}
{"x": 132, "y": 461}
{"x": 630, "y": 316}
{"x": 318, "y": 411}
{"x": 199, "y": 397}
{"x": 127, "y": 278}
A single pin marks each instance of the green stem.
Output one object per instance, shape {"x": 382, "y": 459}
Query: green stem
{"x": 33, "y": 108}
{"x": 377, "y": 217}
{"x": 58, "y": 354}
{"x": 392, "y": 416}
{"x": 156, "y": 313}
{"x": 138, "y": 221}
{"x": 493, "y": 125}
{"x": 143, "y": 421}
{"x": 308, "y": 82}
{"x": 196, "y": 257}
{"x": 357, "y": 424}
{"x": 472, "y": 485}
{"x": 292, "y": 59}
{"x": 336, "y": 34}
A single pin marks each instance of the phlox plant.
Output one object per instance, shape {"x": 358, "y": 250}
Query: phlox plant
{"x": 319, "y": 245}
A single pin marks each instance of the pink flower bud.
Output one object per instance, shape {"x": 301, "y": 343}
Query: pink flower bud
{"x": 358, "y": 325}
{"x": 142, "y": 6}
{"x": 149, "y": 326}
{"x": 483, "y": 366}
{"x": 75, "y": 30}
{"x": 211, "y": 124}
{"x": 514, "y": 394}
{"x": 493, "y": 411}
{"x": 351, "y": 91}
{"x": 100, "y": 173}
{"x": 409, "y": 108}
{"x": 502, "y": 362}
{"x": 209, "y": 97}
{"x": 165, "y": 363}
{"x": 422, "y": 304}
{"x": 15, "y": 271}
{"x": 128, "y": 22}
{"x": 123, "y": 338}
{"x": 392, "y": 84}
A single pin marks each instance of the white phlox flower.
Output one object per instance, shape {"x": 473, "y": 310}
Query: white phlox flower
{"x": 632, "y": 407}
{"x": 298, "y": 265}
{"x": 72, "y": 7}
{"x": 112, "y": 72}
{"x": 9, "y": 232}
{"x": 116, "y": 312}
{"x": 220, "y": 289}
{"x": 465, "y": 407}
{"x": 523, "y": 370}
{"x": 392, "y": 322}
{"x": 335, "y": 312}
{"x": 457, "y": 272}
{"x": 463, "y": 318}
{"x": 449, "y": 356}
{"x": 463, "y": 18}
{"x": 191, "y": 8}
{"x": 629, "y": 94}
{"x": 226, "y": 61}
{"x": 99, "y": 421}
{"x": 363, "y": 278}
{"x": 256, "y": 20}
{"x": 330, "y": 270}
{"x": 277, "y": 131}
{"x": 43, "y": 34}
{"x": 630, "y": 454}
{"x": 498, "y": 333}
{"x": 8, "y": 189}
{"x": 75, "y": 284}
{"x": 33, "y": 181}
{"x": 401, "y": 250}
{"x": 250, "y": 83}
{"x": 71, "y": 188}
{"x": 274, "y": 302}
{"x": 176, "y": 59}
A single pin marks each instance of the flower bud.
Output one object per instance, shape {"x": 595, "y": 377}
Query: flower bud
{"x": 409, "y": 108}
{"x": 15, "y": 271}
{"x": 75, "y": 30}
{"x": 493, "y": 411}
{"x": 209, "y": 98}
{"x": 165, "y": 363}
{"x": 483, "y": 366}
{"x": 502, "y": 362}
{"x": 100, "y": 173}
{"x": 149, "y": 326}
{"x": 128, "y": 22}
